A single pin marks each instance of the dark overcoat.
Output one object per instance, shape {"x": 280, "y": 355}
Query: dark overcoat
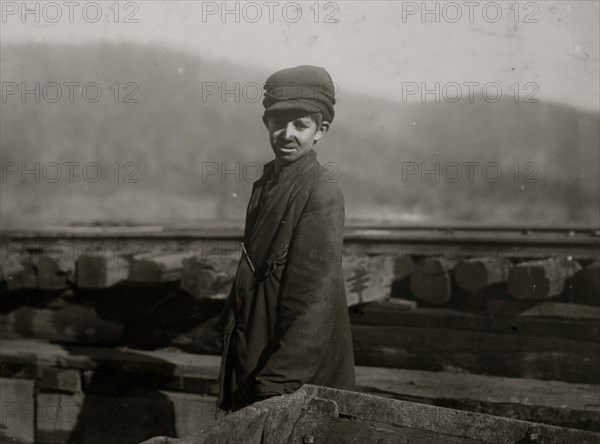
{"x": 286, "y": 323}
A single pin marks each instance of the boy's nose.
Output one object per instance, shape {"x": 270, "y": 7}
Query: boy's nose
{"x": 289, "y": 130}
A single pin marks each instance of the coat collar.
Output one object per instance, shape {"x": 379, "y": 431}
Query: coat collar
{"x": 290, "y": 171}
{"x": 286, "y": 178}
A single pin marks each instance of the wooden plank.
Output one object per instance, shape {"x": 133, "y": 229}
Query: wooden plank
{"x": 403, "y": 304}
{"x": 588, "y": 284}
{"x": 57, "y": 416}
{"x": 19, "y": 271}
{"x": 119, "y": 359}
{"x": 386, "y": 313}
{"x": 204, "y": 278}
{"x": 476, "y": 274}
{"x": 298, "y": 419}
{"x": 499, "y": 307}
{"x": 17, "y": 410}
{"x": 467, "y": 425}
{"x": 56, "y": 380}
{"x": 193, "y": 413}
{"x": 431, "y": 282}
{"x": 56, "y": 267}
{"x": 540, "y": 279}
{"x": 165, "y": 267}
{"x": 562, "y": 310}
{"x": 558, "y": 402}
{"x": 436, "y": 349}
{"x": 552, "y": 402}
{"x": 334, "y": 430}
{"x": 112, "y": 419}
{"x": 71, "y": 323}
{"x": 101, "y": 271}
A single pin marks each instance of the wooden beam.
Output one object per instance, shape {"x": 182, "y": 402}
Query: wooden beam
{"x": 56, "y": 267}
{"x": 207, "y": 279}
{"x": 588, "y": 284}
{"x": 561, "y": 310}
{"x": 474, "y": 275}
{"x": 19, "y": 271}
{"x": 101, "y": 271}
{"x": 431, "y": 282}
{"x": 540, "y": 279}
{"x": 436, "y": 349}
{"x": 164, "y": 267}
{"x": 71, "y": 323}
{"x": 386, "y": 313}
{"x": 17, "y": 421}
{"x": 560, "y": 403}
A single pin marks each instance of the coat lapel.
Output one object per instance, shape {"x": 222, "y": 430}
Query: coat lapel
{"x": 273, "y": 210}
{"x": 271, "y": 207}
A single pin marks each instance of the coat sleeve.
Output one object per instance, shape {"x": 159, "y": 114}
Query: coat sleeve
{"x": 310, "y": 292}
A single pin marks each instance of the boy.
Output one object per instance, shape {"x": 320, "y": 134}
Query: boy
{"x": 286, "y": 321}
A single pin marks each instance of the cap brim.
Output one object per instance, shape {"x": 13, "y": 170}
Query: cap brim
{"x": 293, "y": 105}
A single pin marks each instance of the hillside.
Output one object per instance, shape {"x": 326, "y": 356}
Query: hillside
{"x": 172, "y": 132}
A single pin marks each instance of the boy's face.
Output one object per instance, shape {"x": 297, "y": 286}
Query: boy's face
{"x": 292, "y": 134}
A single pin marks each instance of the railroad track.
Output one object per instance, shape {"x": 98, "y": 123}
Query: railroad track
{"x": 519, "y": 242}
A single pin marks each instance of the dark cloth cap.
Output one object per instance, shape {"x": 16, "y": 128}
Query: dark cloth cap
{"x": 304, "y": 88}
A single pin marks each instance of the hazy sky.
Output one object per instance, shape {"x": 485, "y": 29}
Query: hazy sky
{"x": 375, "y": 48}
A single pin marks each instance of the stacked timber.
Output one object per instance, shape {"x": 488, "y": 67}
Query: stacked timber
{"x": 431, "y": 282}
{"x": 55, "y": 268}
{"x": 541, "y": 279}
{"x": 207, "y": 278}
{"x": 477, "y": 274}
{"x": 19, "y": 271}
{"x": 151, "y": 268}
{"x": 413, "y": 340}
{"x": 101, "y": 271}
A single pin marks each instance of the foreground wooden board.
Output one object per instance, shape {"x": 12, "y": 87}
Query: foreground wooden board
{"x": 560, "y": 403}
{"x": 319, "y": 414}
{"x": 494, "y": 354}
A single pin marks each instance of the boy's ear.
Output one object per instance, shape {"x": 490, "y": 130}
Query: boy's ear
{"x": 322, "y": 131}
